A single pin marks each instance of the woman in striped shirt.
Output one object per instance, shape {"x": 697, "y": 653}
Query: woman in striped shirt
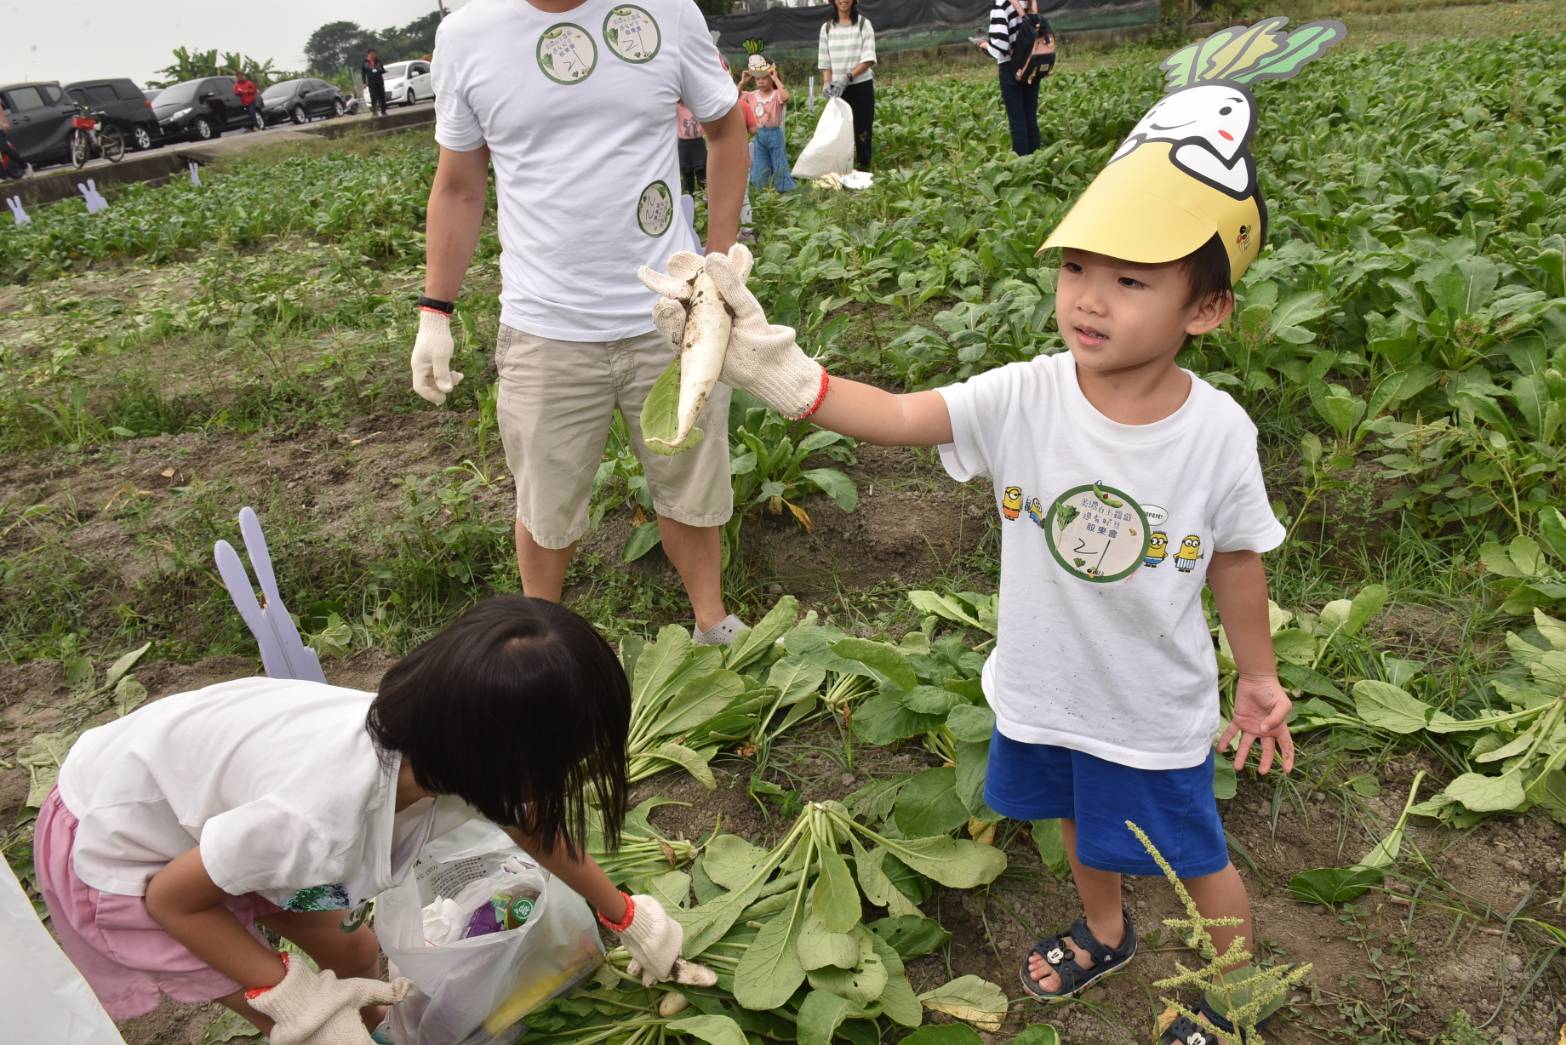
{"x": 846, "y": 58}
{"x": 1020, "y": 99}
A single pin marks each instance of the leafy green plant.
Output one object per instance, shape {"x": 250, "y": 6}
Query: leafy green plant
{"x": 767, "y": 459}
{"x": 1331, "y": 885}
{"x": 1530, "y": 573}
{"x": 785, "y": 930}
{"x": 768, "y": 465}
{"x": 685, "y": 704}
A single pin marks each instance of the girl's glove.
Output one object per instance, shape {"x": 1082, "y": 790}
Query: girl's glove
{"x": 835, "y": 89}
{"x": 654, "y": 940}
{"x": 762, "y": 359}
{"x": 432, "y": 373}
{"x": 316, "y": 1008}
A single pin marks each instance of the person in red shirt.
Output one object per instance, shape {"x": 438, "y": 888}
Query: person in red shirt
{"x": 247, "y": 91}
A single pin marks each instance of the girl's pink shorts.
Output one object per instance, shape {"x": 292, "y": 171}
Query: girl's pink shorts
{"x": 127, "y": 957}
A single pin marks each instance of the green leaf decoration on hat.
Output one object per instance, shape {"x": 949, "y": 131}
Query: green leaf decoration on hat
{"x": 1245, "y": 55}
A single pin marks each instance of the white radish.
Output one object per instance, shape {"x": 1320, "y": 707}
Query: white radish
{"x": 672, "y": 1004}
{"x": 702, "y": 350}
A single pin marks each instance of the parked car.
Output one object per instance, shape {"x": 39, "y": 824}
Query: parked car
{"x": 126, "y": 107}
{"x": 406, "y": 83}
{"x": 301, "y": 100}
{"x": 202, "y": 109}
{"x": 41, "y": 118}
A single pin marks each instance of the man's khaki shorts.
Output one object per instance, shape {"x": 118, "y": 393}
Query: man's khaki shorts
{"x": 556, "y": 401}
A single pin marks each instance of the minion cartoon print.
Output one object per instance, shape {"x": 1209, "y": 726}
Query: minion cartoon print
{"x": 1185, "y": 172}
{"x": 1157, "y": 548}
{"x": 1189, "y": 551}
{"x": 1035, "y": 510}
{"x": 1011, "y": 502}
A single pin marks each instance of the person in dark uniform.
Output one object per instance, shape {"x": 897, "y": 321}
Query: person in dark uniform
{"x": 373, "y": 73}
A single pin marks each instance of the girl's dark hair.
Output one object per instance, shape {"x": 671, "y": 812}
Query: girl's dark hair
{"x": 853, "y": 13}
{"x": 521, "y": 709}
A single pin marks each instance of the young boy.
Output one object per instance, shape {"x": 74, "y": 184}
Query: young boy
{"x": 1108, "y": 461}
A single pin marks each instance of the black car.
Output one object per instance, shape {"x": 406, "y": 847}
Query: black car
{"x": 40, "y": 115}
{"x": 123, "y": 103}
{"x": 201, "y": 109}
{"x": 301, "y": 100}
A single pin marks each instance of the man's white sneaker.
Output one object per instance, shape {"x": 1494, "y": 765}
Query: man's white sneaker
{"x": 721, "y": 633}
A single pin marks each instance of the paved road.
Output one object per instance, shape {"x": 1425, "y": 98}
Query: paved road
{"x": 239, "y": 140}
{"x": 53, "y": 184}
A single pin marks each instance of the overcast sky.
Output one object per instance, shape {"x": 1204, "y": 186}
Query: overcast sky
{"x": 69, "y": 40}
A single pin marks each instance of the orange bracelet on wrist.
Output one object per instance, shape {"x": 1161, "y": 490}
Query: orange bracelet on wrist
{"x": 620, "y": 927}
{"x": 256, "y": 992}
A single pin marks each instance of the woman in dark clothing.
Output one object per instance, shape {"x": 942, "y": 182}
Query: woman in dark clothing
{"x": 846, "y": 58}
{"x": 1021, "y": 99}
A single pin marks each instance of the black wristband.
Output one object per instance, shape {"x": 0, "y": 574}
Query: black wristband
{"x": 437, "y": 306}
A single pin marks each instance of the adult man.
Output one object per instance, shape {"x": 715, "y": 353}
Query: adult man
{"x": 246, "y": 89}
{"x": 373, "y": 73}
{"x": 573, "y": 111}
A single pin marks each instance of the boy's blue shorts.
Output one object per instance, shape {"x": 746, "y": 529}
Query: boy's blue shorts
{"x": 1176, "y": 807}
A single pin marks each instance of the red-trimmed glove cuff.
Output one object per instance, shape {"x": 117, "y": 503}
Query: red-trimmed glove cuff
{"x": 821, "y": 394}
{"x": 256, "y": 992}
{"x": 630, "y": 916}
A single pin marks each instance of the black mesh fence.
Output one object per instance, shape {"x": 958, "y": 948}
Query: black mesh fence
{"x": 901, "y": 24}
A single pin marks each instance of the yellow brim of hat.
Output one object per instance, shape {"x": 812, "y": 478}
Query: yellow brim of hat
{"x": 1144, "y": 209}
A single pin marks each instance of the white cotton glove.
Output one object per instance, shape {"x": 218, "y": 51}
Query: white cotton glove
{"x": 654, "y": 940}
{"x": 432, "y": 373}
{"x": 316, "y": 1008}
{"x": 762, "y": 358}
{"x": 835, "y": 88}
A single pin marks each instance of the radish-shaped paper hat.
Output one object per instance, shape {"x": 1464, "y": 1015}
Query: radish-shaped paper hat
{"x": 1185, "y": 172}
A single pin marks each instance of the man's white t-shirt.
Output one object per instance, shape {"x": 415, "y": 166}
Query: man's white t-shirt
{"x": 1106, "y": 533}
{"x": 277, "y": 781}
{"x": 578, "y": 112}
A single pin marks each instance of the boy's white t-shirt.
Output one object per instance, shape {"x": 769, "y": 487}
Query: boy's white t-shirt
{"x": 277, "y": 781}
{"x": 1102, "y": 646}
{"x": 575, "y": 110}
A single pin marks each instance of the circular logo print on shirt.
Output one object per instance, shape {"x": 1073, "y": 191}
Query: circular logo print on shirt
{"x": 632, "y": 34}
{"x": 1097, "y": 533}
{"x": 566, "y": 54}
{"x": 655, "y": 209}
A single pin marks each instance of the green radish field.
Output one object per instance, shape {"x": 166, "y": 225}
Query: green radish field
{"x": 812, "y": 797}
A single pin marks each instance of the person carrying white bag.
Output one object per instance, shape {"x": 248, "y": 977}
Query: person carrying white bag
{"x": 176, "y": 831}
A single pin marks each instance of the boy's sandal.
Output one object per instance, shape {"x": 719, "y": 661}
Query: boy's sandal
{"x": 1182, "y": 1030}
{"x": 1074, "y": 979}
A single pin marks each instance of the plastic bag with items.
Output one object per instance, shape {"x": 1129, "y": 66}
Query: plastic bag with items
{"x": 479, "y": 981}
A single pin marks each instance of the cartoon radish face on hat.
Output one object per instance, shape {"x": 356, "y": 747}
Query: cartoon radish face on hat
{"x": 1210, "y": 126}
{"x": 1184, "y": 175}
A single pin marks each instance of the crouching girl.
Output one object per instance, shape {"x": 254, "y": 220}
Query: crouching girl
{"x": 178, "y": 830}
